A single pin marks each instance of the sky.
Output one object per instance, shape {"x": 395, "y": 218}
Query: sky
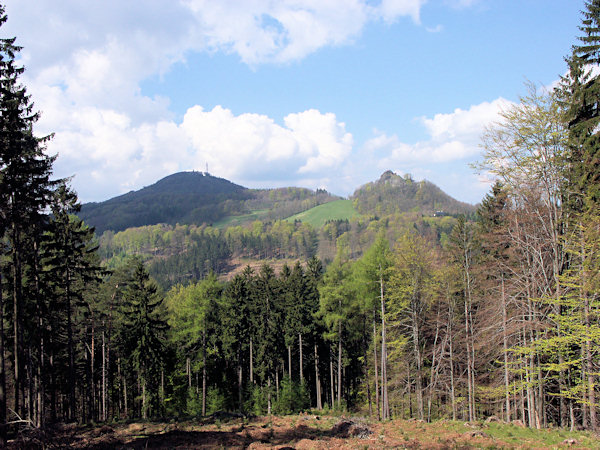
{"x": 272, "y": 93}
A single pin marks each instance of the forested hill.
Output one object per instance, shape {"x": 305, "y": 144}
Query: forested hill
{"x": 394, "y": 194}
{"x": 198, "y": 198}
{"x": 181, "y": 197}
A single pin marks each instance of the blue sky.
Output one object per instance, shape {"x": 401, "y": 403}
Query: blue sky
{"x": 312, "y": 93}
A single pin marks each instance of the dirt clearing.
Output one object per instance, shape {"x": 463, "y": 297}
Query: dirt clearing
{"x": 300, "y": 432}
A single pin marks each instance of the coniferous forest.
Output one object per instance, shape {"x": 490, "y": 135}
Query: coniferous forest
{"x": 499, "y": 316}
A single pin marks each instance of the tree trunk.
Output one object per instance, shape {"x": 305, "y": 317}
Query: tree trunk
{"x": 589, "y": 368}
{"x": 317, "y": 380}
{"x": 385, "y": 407}
{"x": 104, "y": 415}
{"x": 331, "y": 377}
{"x": 375, "y": 365}
{"x": 434, "y": 368}
{"x": 125, "y": 401}
{"x": 39, "y": 411}
{"x": 188, "y": 372}
{"x": 269, "y": 395}
{"x": 144, "y": 405}
{"x": 451, "y": 359}
{"x": 469, "y": 378}
{"x": 3, "y": 429}
{"x": 251, "y": 364}
{"x": 289, "y": 349}
{"x": 469, "y": 332}
{"x": 240, "y": 379}
{"x": 339, "y": 365}
{"x": 301, "y": 359}
{"x": 71, "y": 350}
{"x": 277, "y": 383}
{"x": 204, "y": 372}
{"x": 16, "y": 259}
{"x": 92, "y": 405}
{"x": 505, "y": 348}
{"x": 366, "y": 367}
{"x": 417, "y": 356}
{"x": 162, "y": 390}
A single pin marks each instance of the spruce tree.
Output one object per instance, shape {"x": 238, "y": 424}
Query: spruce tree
{"x": 236, "y": 326}
{"x": 142, "y": 335}
{"x": 25, "y": 193}
{"x": 68, "y": 251}
{"x": 580, "y": 94}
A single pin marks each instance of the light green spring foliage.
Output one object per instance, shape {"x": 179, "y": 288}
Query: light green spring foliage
{"x": 336, "y": 297}
{"x": 579, "y": 306}
{"x": 527, "y": 147}
{"x": 371, "y": 270}
{"x": 189, "y": 312}
{"x": 412, "y": 288}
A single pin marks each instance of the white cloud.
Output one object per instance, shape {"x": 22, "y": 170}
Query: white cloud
{"x": 85, "y": 61}
{"x": 104, "y": 146}
{"x": 391, "y": 10}
{"x": 452, "y": 136}
{"x": 437, "y": 29}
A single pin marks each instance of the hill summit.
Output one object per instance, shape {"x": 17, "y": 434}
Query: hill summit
{"x": 392, "y": 193}
{"x": 183, "y": 197}
{"x": 197, "y": 198}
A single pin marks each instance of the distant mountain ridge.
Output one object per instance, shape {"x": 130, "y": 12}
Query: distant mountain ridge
{"x": 196, "y": 198}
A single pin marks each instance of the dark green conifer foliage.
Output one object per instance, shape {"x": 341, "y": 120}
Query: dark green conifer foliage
{"x": 68, "y": 251}
{"x": 25, "y": 193}
{"x": 142, "y": 337}
{"x": 268, "y": 325}
{"x": 236, "y": 321}
{"x": 580, "y": 93}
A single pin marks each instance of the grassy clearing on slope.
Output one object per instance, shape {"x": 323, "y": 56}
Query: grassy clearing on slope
{"x": 232, "y": 221}
{"x": 319, "y": 215}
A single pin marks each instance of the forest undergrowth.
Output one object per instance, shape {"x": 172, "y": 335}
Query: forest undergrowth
{"x": 302, "y": 431}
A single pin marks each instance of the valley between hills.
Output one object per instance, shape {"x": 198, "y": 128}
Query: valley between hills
{"x": 192, "y": 223}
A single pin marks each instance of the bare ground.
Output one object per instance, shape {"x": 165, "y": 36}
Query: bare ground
{"x": 296, "y": 432}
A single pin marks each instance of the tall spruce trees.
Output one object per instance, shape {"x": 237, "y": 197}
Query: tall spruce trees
{"x": 580, "y": 91}
{"x": 142, "y": 335}
{"x": 26, "y": 191}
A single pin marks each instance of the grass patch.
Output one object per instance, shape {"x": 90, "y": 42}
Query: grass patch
{"x": 319, "y": 215}
{"x": 548, "y": 437}
{"x": 520, "y": 437}
{"x": 233, "y": 221}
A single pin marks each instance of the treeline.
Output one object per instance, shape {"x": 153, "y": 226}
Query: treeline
{"x": 184, "y": 253}
{"x": 198, "y": 198}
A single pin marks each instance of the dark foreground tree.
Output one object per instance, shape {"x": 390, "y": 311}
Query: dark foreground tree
{"x": 25, "y": 193}
{"x": 142, "y": 339}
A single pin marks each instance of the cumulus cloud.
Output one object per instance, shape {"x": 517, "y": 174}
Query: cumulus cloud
{"x": 113, "y": 156}
{"x": 85, "y": 61}
{"x": 452, "y": 136}
{"x": 453, "y": 140}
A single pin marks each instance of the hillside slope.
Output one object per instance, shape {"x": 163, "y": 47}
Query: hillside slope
{"x": 182, "y": 197}
{"x": 320, "y": 215}
{"x": 197, "y": 198}
{"x": 393, "y": 194}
